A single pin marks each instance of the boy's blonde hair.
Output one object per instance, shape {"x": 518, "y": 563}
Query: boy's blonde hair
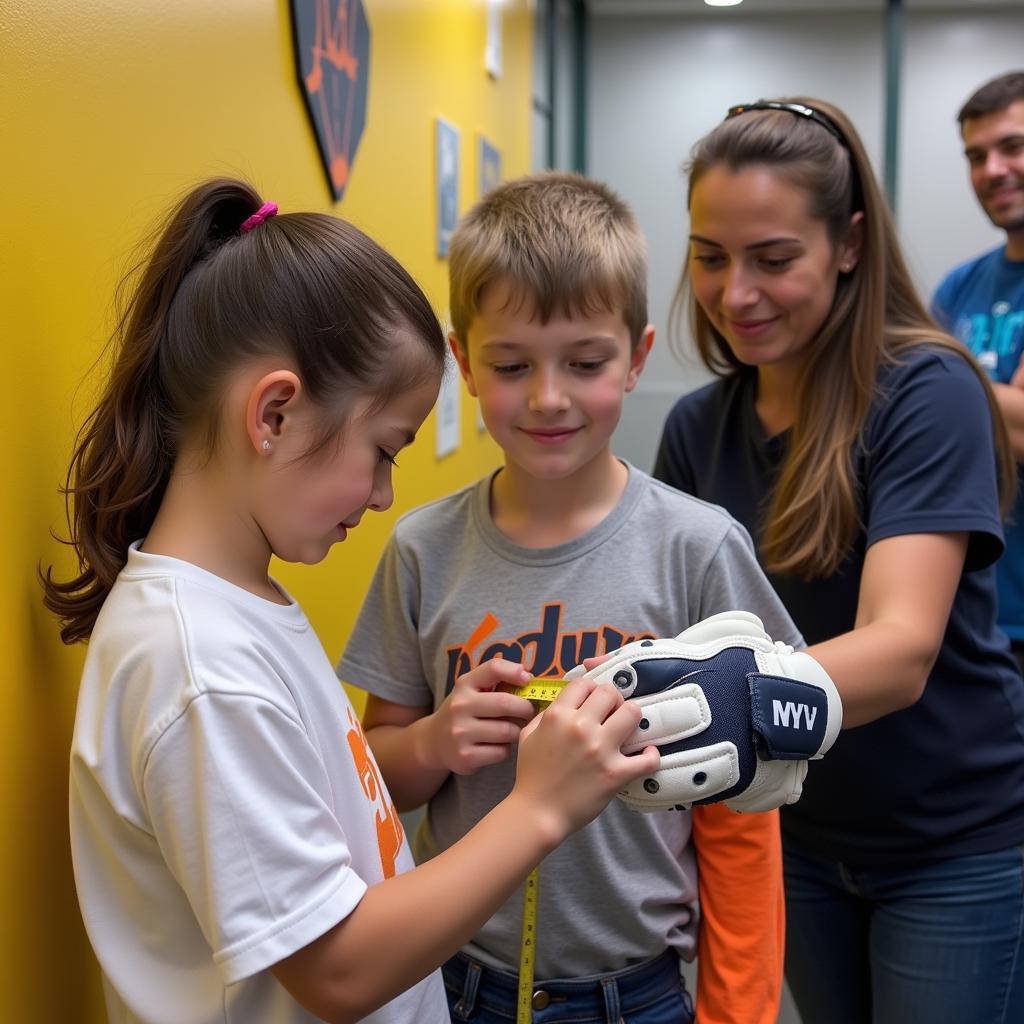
{"x": 563, "y": 242}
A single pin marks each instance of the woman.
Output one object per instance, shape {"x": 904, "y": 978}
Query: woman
{"x": 862, "y": 449}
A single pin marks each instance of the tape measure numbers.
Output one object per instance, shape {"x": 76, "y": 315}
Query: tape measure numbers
{"x": 541, "y": 692}
{"x": 527, "y": 949}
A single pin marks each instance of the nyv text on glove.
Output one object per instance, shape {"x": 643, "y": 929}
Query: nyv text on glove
{"x": 735, "y": 715}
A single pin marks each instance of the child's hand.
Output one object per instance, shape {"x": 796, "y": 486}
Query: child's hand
{"x": 570, "y": 762}
{"x": 478, "y": 723}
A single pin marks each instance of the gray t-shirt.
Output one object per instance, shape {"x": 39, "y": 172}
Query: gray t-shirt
{"x": 623, "y": 888}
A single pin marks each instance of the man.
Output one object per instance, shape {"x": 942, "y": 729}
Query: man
{"x": 982, "y": 301}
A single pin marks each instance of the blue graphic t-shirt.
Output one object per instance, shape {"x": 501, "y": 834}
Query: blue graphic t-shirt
{"x": 981, "y": 302}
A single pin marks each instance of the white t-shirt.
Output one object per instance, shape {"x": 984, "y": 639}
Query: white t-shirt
{"x": 225, "y": 807}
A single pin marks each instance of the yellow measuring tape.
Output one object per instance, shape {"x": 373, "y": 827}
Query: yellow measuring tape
{"x": 541, "y": 692}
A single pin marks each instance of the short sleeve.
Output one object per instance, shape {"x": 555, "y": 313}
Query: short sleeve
{"x": 672, "y": 463}
{"x": 930, "y": 458}
{"x": 240, "y": 805}
{"x": 383, "y": 653}
{"x": 735, "y": 581}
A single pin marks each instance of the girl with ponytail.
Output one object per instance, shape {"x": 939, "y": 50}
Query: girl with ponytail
{"x": 237, "y": 856}
{"x": 863, "y": 450}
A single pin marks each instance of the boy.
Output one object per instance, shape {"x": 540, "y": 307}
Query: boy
{"x": 562, "y": 554}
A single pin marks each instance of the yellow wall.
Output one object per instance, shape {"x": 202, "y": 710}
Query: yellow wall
{"x": 109, "y": 109}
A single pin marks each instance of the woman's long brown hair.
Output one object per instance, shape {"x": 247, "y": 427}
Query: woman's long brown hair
{"x": 306, "y": 286}
{"x": 876, "y": 319}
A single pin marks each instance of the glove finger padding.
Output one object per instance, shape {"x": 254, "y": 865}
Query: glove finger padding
{"x": 735, "y": 716}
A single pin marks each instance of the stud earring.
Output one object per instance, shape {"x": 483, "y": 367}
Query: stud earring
{"x": 267, "y": 446}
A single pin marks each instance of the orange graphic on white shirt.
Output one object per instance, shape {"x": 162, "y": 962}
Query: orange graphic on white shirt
{"x": 389, "y": 828}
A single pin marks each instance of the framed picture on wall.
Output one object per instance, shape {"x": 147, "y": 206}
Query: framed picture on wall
{"x": 488, "y": 166}
{"x": 448, "y": 411}
{"x": 446, "y": 145}
{"x": 492, "y": 48}
{"x": 332, "y": 58}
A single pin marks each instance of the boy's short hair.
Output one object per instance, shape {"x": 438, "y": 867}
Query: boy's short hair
{"x": 565, "y": 244}
{"x": 993, "y": 96}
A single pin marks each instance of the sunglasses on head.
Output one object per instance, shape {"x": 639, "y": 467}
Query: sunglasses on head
{"x": 799, "y": 109}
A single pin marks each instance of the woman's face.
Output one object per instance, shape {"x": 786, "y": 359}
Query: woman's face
{"x": 763, "y": 270}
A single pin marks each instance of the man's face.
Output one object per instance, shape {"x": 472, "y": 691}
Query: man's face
{"x": 994, "y": 146}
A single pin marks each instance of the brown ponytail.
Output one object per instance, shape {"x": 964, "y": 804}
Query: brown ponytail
{"x": 307, "y": 286}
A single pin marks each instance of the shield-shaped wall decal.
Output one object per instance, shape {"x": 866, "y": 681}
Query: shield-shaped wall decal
{"x": 332, "y": 56}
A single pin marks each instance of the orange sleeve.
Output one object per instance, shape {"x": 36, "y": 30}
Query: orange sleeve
{"x": 741, "y": 942}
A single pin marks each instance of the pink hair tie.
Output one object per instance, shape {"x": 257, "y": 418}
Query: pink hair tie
{"x": 265, "y": 211}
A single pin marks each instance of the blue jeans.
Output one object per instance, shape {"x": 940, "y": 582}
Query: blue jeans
{"x": 649, "y": 993}
{"x": 937, "y": 943}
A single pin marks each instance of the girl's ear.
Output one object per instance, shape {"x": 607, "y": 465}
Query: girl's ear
{"x": 850, "y": 247}
{"x": 462, "y": 358}
{"x": 638, "y": 357}
{"x": 271, "y": 405}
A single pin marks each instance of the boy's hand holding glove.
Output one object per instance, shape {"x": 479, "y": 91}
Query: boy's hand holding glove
{"x": 735, "y": 715}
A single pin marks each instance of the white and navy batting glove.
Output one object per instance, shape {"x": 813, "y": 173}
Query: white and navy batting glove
{"x": 735, "y": 715}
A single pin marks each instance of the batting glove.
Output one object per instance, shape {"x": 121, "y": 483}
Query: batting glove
{"x": 735, "y": 715}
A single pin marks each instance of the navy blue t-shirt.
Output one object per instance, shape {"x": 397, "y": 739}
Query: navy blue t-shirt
{"x": 944, "y": 777}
